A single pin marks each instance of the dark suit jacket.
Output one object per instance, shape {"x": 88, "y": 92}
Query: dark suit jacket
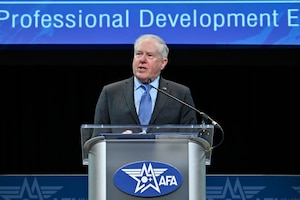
{"x": 116, "y": 105}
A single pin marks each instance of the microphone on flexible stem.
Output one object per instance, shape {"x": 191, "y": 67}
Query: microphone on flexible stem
{"x": 204, "y": 116}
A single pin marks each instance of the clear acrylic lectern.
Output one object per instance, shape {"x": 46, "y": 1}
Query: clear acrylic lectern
{"x": 168, "y": 162}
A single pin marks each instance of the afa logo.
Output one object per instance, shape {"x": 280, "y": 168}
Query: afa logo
{"x": 147, "y": 179}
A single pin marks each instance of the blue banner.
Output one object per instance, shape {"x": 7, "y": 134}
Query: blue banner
{"x": 255, "y": 187}
{"x": 75, "y": 187}
{"x": 178, "y": 22}
{"x": 40, "y": 187}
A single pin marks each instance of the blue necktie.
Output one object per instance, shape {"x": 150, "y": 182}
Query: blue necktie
{"x": 145, "y": 105}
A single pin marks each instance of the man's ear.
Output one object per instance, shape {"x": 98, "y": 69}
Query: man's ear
{"x": 164, "y": 63}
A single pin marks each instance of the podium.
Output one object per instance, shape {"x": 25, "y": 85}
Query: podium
{"x": 168, "y": 162}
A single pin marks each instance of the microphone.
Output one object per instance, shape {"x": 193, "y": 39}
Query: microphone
{"x": 204, "y": 116}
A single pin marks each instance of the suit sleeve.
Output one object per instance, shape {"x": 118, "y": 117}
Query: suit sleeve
{"x": 101, "y": 111}
{"x": 188, "y": 115}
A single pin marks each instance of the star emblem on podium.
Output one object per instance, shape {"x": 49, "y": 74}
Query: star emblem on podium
{"x": 146, "y": 177}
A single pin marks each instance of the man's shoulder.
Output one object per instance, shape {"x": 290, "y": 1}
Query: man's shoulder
{"x": 118, "y": 84}
{"x": 173, "y": 84}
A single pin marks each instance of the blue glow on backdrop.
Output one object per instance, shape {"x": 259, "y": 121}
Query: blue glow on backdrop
{"x": 178, "y": 22}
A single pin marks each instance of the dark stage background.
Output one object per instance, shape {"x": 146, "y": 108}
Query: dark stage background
{"x": 252, "y": 92}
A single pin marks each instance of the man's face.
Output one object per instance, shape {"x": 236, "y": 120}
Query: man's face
{"x": 147, "y": 62}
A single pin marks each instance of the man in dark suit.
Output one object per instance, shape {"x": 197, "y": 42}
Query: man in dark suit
{"x": 119, "y": 102}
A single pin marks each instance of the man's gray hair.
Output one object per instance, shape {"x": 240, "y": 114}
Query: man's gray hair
{"x": 163, "y": 49}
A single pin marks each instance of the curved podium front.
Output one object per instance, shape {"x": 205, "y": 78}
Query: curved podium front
{"x": 156, "y": 166}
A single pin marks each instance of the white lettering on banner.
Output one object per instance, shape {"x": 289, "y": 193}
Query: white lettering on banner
{"x": 70, "y": 20}
{"x": 148, "y": 18}
{"x": 216, "y": 20}
{"x": 292, "y": 18}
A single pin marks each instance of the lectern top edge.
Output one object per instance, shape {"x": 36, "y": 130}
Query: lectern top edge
{"x": 199, "y": 133}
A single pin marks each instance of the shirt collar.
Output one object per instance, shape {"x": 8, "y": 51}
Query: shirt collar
{"x": 137, "y": 83}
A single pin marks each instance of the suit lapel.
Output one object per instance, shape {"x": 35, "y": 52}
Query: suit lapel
{"x": 161, "y": 99}
{"x": 129, "y": 98}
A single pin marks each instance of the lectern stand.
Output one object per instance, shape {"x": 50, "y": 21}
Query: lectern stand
{"x": 167, "y": 163}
